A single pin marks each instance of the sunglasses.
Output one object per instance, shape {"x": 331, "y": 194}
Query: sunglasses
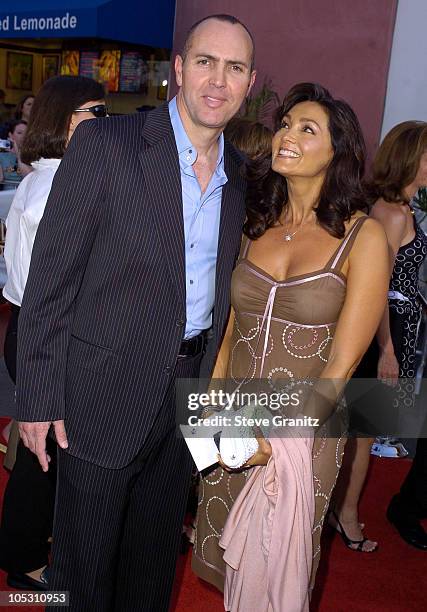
{"x": 100, "y": 110}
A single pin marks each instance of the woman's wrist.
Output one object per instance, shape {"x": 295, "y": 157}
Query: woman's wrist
{"x": 387, "y": 350}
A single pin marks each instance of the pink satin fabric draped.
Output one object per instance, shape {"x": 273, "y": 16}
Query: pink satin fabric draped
{"x": 268, "y": 534}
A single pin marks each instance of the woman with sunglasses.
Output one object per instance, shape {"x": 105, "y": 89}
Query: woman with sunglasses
{"x": 26, "y": 526}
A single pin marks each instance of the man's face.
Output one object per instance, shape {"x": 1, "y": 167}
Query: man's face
{"x": 216, "y": 75}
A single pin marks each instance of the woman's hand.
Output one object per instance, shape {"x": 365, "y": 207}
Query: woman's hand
{"x": 388, "y": 368}
{"x": 14, "y": 148}
{"x": 261, "y": 457}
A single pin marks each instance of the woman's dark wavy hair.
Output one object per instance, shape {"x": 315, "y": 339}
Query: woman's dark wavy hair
{"x": 47, "y": 131}
{"x": 342, "y": 192}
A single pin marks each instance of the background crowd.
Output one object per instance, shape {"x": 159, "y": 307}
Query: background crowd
{"x": 309, "y": 207}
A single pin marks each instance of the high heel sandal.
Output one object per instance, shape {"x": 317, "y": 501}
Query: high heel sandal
{"x": 351, "y": 544}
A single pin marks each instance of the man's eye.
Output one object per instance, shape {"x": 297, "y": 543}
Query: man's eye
{"x": 237, "y": 68}
{"x": 203, "y": 62}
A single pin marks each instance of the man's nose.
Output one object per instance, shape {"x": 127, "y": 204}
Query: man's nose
{"x": 218, "y": 76}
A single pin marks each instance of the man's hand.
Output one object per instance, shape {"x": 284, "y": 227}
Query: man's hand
{"x": 34, "y": 437}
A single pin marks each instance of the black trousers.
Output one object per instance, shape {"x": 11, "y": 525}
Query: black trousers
{"x": 411, "y": 501}
{"x": 29, "y": 497}
{"x": 117, "y": 532}
{"x": 27, "y": 514}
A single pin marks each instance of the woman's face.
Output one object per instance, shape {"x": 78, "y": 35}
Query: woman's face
{"x": 302, "y": 147}
{"x": 26, "y": 108}
{"x": 17, "y": 136}
{"x": 421, "y": 177}
{"x": 77, "y": 118}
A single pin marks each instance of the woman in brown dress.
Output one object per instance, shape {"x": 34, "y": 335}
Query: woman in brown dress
{"x": 307, "y": 254}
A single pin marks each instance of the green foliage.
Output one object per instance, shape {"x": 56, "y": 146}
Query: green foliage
{"x": 260, "y": 107}
{"x": 420, "y": 201}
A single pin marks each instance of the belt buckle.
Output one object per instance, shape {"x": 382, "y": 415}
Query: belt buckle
{"x": 193, "y": 346}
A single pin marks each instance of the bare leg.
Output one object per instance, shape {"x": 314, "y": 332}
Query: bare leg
{"x": 349, "y": 487}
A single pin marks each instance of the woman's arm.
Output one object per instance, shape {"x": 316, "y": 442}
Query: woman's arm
{"x": 221, "y": 364}
{"x": 393, "y": 220}
{"x": 366, "y": 296}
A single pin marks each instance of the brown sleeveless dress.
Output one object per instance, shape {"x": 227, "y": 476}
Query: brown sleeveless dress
{"x": 304, "y": 313}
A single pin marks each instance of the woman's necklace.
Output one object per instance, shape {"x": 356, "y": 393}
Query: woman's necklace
{"x": 289, "y": 235}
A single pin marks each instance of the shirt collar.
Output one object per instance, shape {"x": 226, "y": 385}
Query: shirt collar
{"x": 186, "y": 152}
{"x": 45, "y": 162}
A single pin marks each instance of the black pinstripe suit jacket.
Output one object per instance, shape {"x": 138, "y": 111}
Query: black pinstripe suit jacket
{"x": 103, "y": 313}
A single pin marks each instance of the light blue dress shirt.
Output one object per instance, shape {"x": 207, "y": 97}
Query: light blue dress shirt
{"x": 201, "y": 228}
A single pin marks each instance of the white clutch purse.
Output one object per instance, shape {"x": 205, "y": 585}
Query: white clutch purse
{"x": 238, "y": 443}
{"x": 236, "y": 451}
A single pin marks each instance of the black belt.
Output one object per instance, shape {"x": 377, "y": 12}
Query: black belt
{"x": 193, "y": 346}
{"x": 14, "y": 308}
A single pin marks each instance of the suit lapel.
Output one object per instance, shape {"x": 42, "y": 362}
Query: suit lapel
{"x": 230, "y": 209}
{"x": 162, "y": 175}
{"x": 230, "y": 228}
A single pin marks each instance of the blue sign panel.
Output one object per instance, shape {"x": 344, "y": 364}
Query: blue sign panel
{"x": 137, "y": 21}
{"x": 45, "y": 24}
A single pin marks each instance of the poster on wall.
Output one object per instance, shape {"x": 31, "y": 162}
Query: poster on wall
{"x": 133, "y": 73}
{"x": 89, "y": 64}
{"x": 50, "y": 66}
{"x": 109, "y": 64}
{"x": 70, "y": 63}
{"x": 19, "y": 70}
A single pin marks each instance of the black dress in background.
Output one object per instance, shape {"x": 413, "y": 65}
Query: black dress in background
{"x": 29, "y": 497}
{"x": 405, "y": 314}
{"x": 410, "y": 504}
{"x": 405, "y": 317}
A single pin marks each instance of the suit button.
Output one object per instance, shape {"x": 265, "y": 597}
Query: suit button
{"x": 180, "y": 322}
{"x": 167, "y": 370}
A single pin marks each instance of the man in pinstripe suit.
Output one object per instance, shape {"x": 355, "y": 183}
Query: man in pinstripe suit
{"x": 130, "y": 270}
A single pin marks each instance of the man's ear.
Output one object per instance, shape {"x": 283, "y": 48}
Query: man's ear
{"x": 178, "y": 70}
{"x": 251, "y": 82}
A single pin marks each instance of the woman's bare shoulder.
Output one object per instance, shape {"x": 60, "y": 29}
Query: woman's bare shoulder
{"x": 371, "y": 239}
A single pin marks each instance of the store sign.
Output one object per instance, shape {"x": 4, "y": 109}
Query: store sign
{"x": 48, "y": 23}
{"x": 38, "y": 23}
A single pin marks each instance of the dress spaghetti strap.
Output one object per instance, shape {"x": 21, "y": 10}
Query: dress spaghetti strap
{"x": 341, "y": 254}
{"x": 244, "y": 247}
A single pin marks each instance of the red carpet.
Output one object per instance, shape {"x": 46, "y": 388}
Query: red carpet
{"x": 394, "y": 579}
